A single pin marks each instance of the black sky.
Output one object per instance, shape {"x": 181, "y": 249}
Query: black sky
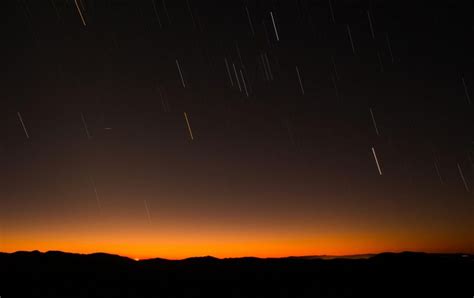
{"x": 268, "y": 158}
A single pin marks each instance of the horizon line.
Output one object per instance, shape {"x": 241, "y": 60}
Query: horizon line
{"x": 316, "y": 256}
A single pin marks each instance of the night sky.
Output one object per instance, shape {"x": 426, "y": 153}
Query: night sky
{"x": 234, "y": 128}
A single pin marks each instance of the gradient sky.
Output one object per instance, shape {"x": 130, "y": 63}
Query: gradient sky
{"x": 275, "y": 173}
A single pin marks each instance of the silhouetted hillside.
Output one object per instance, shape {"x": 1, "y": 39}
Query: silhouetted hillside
{"x": 58, "y": 274}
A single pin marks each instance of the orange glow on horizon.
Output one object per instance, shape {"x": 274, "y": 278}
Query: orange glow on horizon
{"x": 144, "y": 246}
{"x": 181, "y": 233}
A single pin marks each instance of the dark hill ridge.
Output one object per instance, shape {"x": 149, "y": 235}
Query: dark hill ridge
{"x": 58, "y": 274}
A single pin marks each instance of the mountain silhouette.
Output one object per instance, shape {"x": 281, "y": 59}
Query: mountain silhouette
{"x": 59, "y": 274}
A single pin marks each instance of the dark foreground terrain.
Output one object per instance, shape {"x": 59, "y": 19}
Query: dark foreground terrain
{"x": 57, "y": 274}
